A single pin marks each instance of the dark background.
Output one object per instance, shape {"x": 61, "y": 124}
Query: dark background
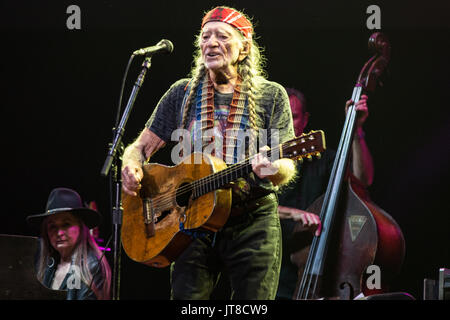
{"x": 60, "y": 91}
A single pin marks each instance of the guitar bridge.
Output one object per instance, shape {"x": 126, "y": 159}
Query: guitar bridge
{"x": 149, "y": 217}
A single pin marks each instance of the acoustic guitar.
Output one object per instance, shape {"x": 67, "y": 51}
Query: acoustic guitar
{"x": 193, "y": 195}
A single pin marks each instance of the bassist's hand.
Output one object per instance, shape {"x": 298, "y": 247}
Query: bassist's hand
{"x": 361, "y": 108}
{"x": 308, "y": 221}
{"x": 131, "y": 179}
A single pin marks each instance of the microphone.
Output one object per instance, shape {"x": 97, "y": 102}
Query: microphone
{"x": 164, "y": 46}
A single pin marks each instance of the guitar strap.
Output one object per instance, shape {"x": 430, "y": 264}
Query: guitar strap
{"x": 237, "y": 120}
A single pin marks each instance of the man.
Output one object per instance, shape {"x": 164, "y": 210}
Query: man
{"x": 226, "y": 94}
{"x": 312, "y": 183}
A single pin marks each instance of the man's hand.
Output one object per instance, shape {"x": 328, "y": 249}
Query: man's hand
{"x": 132, "y": 175}
{"x": 361, "y": 108}
{"x": 309, "y": 221}
{"x": 134, "y": 155}
{"x": 262, "y": 166}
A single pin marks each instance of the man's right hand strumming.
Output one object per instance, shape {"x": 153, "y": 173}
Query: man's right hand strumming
{"x": 134, "y": 156}
{"x": 132, "y": 175}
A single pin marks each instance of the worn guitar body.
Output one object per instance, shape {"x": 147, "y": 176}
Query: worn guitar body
{"x": 164, "y": 185}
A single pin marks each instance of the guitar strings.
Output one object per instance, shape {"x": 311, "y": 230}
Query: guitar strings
{"x": 166, "y": 199}
{"x": 191, "y": 186}
{"x": 207, "y": 179}
{"x": 240, "y": 165}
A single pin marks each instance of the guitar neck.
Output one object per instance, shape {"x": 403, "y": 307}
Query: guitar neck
{"x": 219, "y": 179}
{"x": 303, "y": 146}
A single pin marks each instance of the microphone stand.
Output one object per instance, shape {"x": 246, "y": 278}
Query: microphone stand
{"x": 111, "y": 163}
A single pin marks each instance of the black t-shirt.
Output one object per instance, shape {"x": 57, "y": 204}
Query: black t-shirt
{"x": 311, "y": 183}
{"x": 272, "y": 110}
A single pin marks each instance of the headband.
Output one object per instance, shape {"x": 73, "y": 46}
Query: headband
{"x": 232, "y": 17}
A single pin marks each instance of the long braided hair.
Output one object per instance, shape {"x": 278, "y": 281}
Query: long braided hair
{"x": 250, "y": 70}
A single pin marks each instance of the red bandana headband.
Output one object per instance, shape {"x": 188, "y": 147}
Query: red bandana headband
{"x": 232, "y": 17}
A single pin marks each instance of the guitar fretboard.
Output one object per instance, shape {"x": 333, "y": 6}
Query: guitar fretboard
{"x": 219, "y": 179}
{"x": 312, "y": 143}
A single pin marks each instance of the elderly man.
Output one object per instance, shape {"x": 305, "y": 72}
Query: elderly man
{"x": 226, "y": 93}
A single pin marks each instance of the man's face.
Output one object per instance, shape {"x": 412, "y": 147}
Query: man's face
{"x": 222, "y": 46}
{"x": 299, "y": 118}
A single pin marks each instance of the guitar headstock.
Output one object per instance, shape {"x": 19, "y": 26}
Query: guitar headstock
{"x": 306, "y": 146}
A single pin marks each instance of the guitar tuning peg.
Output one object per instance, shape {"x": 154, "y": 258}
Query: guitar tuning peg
{"x": 319, "y": 155}
{"x": 309, "y": 157}
{"x": 300, "y": 159}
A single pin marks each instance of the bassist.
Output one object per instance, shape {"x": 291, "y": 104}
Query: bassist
{"x": 311, "y": 184}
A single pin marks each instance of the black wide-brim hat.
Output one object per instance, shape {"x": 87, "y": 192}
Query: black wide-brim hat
{"x": 65, "y": 200}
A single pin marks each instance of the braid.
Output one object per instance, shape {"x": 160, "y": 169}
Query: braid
{"x": 249, "y": 75}
{"x": 197, "y": 76}
{"x": 252, "y": 118}
{"x": 251, "y": 71}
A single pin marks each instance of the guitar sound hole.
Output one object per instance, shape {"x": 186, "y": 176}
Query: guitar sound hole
{"x": 160, "y": 217}
{"x": 183, "y": 194}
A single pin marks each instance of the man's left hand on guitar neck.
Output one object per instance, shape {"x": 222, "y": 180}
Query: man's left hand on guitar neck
{"x": 279, "y": 172}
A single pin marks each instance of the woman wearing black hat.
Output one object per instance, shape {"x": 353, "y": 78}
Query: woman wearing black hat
{"x": 69, "y": 259}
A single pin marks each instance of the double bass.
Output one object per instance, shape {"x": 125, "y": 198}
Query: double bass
{"x": 358, "y": 239}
